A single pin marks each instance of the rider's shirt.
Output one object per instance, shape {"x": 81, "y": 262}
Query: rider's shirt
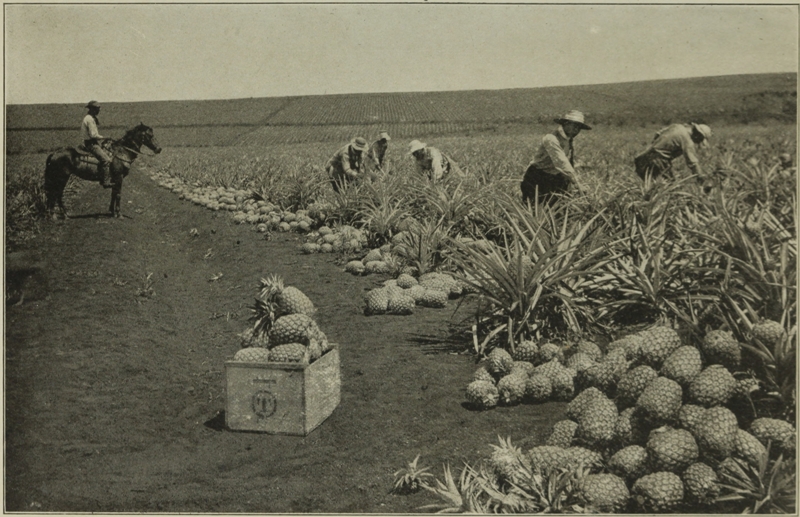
{"x": 89, "y": 128}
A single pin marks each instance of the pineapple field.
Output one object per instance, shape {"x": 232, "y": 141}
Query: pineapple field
{"x": 631, "y": 349}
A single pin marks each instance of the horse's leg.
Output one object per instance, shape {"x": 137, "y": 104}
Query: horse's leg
{"x": 54, "y": 184}
{"x": 116, "y": 196}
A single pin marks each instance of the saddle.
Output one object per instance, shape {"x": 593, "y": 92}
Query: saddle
{"x": 86, "y": 156}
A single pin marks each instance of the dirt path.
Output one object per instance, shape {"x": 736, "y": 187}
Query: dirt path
{"x": 114, "y": 399}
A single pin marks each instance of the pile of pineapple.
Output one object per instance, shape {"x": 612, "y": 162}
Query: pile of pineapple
{"x": 652, "y": 419}
{"x": 284, "y": 330}
{"x": 245, "y": 208}
{"x": 400, "y": 295}
{"x": 339, "y": 239}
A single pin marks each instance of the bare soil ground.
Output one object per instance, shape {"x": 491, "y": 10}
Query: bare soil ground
{"x": 114, "y": 384}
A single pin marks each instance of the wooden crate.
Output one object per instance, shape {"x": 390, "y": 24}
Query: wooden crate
{"x": 281, "y": 398}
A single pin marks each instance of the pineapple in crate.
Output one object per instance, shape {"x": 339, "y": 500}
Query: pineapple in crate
{"x": 283, "y": 326}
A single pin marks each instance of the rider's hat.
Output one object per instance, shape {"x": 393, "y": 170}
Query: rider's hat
{"x": 93, "y": 104}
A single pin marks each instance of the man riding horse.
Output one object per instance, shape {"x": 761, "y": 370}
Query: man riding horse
{"x": 92, "y": 141}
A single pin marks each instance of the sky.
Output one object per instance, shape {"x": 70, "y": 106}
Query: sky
{"x": 146, "y": 52}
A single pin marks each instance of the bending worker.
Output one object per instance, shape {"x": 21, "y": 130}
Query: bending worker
{"x": 552, "y": 170}
{"x": 432, "y": 162}
{"x": 669, "y": 143}
{"x": 347, "y": 163}
{"x": 377, "y": 151}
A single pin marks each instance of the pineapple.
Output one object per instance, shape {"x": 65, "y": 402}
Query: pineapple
{"x": 434, "y": 298}
{"x": 720, "y": 347}
{"x": 605, "y": 493}
{"x": 563, "y": 434}
{"x": 376, "y": 267}
{"x": 354, "y": 267}
{"x": 483, "y": 374}
{"x": 605, "y": 375}
{"x": 671, "y": 449}
{"x": 482, "y": 394}
{"x": 539, "y": 388}
{"x": 525, "y": 351}
{"x": 549, "y": 352}
{"x": 581, "y": 457}
{"x": 632, "y": 384}
{"x": 630, "y": 428}
{"x": 629, "y": 462}
{"x": 590, "y": 349}
{"x": 373, "y": 255}
{"x": 748, "y": 448}
{"x": 657, "y": 344}
{"x": 658, "y": 492}
{"x": 377, "y": 301}
{"x": 701, "y": 483}
{"x": 689, "y": 415}
{"x": 768, "y": 332}
{"x": 288, "y": 300}
{"x": 580, "y": 362}
{"x": 289, "y": 353}
{"x": 499, "y": 362}
{"x": 581, "y": 402}
{"x": 714, "y": 386}
{"x": 508, "y": 461}
{"x": 293, "y": 328}
{"x": 563, "y": 381}
{"x": 630, "y": 345}
{"x": 400, "y": 304}
{"x": 522, "y": 367}
{"x": 406, "y": 281}
{"x": 512, "y": 388}
{"x": 781, "y": 433}
{"x": 660, "y": 401}
{"x": 417, "y": 292}
{"x": 683, "y": 365}
{"x": 597, "y": 422}
{"x": 252, "y": 355}
{"x": 716, "y": 433}
{"x": 545, "y": 458}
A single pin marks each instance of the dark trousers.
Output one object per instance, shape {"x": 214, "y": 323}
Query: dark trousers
{"x": 652, "y": 164}
{"x": 547, "y": 185}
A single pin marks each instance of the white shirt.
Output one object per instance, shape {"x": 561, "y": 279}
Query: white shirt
{"x": 89, "y": 128}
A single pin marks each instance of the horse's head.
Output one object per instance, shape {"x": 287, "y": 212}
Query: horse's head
{"x": 147, "y": 138}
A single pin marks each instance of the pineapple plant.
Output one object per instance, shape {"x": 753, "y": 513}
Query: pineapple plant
{"x": 508, "y": 461}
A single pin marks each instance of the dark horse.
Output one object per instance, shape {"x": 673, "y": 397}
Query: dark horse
{"x": 66, "y": 162}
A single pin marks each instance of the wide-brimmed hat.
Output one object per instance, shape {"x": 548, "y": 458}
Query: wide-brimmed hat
{"x": 359, "y": 144}
{"x": 93, "y": 104}
{"x": 415, "y": 146}
{"x": 574, "y": 116}
{"x": 384, "y": 135}
{"x": 703, "y": 130}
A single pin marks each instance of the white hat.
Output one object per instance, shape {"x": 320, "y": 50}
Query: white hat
{"x": 703, "y": 130}
{"x": 573, "y": 116}
{"x": 415, "y": 146}
{"x": 384, "y": 135}
{"x": 359, "y": 144}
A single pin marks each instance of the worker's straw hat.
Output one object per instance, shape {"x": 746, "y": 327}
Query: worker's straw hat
{"x": 573, "y": 116}
{"x": 384, "y": 136}
{"x": 93, "y": 104}
{"x": 415, "y": 146}
{"x": 359, "y": 144}
{"x": 703, "y": 130}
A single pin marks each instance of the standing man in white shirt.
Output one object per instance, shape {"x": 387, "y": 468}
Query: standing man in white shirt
{"x": 92, "y": 140}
